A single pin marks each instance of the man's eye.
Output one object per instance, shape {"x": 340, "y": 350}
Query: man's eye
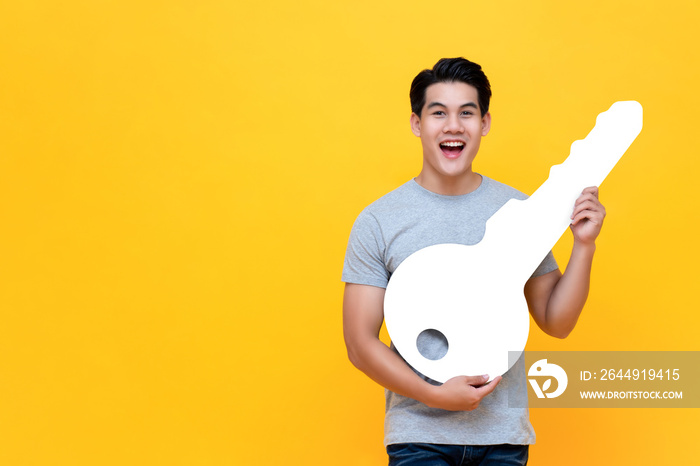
{"x": 467, "y": 113}
{"x": 439, "y": 112}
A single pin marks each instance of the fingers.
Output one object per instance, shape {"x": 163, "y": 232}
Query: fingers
{"x": 588, "y": 210}
{"x": 464, "y": 393}
{"x": 592, "y": 217}
{"x": 476, "y": 380}
{"x": 591, "y": 190}
{"x": 588, "y": 206}
{"x": 489, "y": 387}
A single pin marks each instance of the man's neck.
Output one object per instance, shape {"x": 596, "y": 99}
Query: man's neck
{"x": 449, "y": 186}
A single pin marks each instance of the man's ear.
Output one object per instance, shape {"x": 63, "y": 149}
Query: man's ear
{"x": 486, "y": 124}
{"x": 415, "y": 124}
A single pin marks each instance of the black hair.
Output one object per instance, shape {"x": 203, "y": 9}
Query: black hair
{"x": 451, "y": 70}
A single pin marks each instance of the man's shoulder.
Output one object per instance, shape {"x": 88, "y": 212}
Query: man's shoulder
{"x": 402, "y": 195}
{"x": 502, "y": 189}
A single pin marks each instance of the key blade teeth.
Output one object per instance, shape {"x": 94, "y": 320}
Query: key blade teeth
{"x": 626, "y": 117}
{"x": 620, "y": 124}
{"x": 590, "y": 162}
{"x": 615, "y": 129}
{"x": 614, "y": 132}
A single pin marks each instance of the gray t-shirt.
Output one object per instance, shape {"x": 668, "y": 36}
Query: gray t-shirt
{"x": 385, "y": 233}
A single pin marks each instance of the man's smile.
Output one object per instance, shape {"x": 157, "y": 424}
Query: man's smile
{"x": 452, "y": 148}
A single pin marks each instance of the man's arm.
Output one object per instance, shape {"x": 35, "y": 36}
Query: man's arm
{"x": 363, "y": 314}
{"x": 556, "y": 300}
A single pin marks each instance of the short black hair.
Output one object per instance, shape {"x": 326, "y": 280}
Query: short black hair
{"x": 448, "y": 70}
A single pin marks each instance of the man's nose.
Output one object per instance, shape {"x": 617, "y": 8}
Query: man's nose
{"x": 453, "y": 125}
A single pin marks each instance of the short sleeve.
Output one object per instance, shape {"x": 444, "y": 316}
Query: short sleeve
{"x": 364, "y": 257}
{"x": 549, "y": 264}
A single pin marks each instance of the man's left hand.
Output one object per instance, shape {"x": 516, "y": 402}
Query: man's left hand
{"x": 588, "y": 215}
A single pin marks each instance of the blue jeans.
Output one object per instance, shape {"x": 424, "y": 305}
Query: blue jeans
{"x": 425, "y": 454}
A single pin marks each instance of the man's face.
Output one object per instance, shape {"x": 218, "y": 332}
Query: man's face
{"x": 450, "y": 128}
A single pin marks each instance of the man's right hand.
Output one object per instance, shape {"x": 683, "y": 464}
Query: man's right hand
{"x": 363, "y": 313}
{"x": 462, "y": 393}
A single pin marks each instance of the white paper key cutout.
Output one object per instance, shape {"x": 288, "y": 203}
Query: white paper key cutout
{"x": 473, "y": 295}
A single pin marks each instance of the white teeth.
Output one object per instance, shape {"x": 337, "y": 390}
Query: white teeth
{"x": 452, "y": 144}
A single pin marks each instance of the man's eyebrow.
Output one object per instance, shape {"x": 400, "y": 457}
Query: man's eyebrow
{"x": 438, "y": 104}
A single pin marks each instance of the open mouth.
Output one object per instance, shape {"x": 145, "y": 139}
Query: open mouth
{"x": 452, "y": 148}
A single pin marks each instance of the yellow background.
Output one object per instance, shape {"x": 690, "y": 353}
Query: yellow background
{"x": 178, "y": 180}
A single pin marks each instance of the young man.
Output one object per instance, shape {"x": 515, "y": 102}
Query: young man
{"x": 427, "y": 422}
